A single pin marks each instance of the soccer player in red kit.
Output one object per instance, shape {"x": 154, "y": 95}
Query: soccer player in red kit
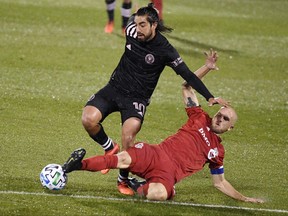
{"x": 195, "y": 144}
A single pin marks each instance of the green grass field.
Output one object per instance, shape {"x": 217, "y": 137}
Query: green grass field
{"x": 54, "y": 55}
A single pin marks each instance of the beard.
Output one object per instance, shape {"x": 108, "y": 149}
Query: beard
{"x": 143, "y": 38}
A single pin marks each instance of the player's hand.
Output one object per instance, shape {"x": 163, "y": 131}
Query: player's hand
{"x": 211, "y": 58}
{"x": 218, "y": 100}
{"x": 254, "y": 200}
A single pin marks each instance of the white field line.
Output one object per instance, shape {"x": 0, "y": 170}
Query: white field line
{"x": 146, "y": 201}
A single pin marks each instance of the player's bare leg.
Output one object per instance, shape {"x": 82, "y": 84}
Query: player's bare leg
{"x": 130, "y": 129}
{"x": 91, "y": 118}
{"x": 156, "y": 191}
{"x": 151, "y": 191}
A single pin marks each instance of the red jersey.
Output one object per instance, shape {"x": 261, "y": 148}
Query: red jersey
{"x": 194, "y": 145}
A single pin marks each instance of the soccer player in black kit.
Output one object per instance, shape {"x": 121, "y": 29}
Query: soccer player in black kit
{"x": 133, "y": 81}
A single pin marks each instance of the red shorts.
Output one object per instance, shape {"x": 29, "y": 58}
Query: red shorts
{"x": 154, "y": 165}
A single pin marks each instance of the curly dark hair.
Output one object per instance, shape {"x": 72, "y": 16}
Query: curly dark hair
{"x": 153, "y": 17}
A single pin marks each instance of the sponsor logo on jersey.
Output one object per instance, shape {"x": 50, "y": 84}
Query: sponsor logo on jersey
{"x": 149, "y": 59}
{"x": 204, "y": 136}
{"x": 213, "y": 153}
{"x": 139, "y": 145}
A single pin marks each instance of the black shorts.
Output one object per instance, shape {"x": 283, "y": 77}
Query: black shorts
{"x": 109, "y": 100}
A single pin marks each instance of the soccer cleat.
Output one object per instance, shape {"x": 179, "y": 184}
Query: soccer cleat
{"x": 74, "y": 161}
{"x": 115, "y": 150}
{"x": 109, "y": 28}
{"x": 134, "y": 184}
{"x": 123, "y": 188}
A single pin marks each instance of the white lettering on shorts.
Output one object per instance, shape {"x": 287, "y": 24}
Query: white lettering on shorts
{"x": 140, "y": 107}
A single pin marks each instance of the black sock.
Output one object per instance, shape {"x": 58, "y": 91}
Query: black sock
{"x": 125, "y": 12}
{"x": 123, "y": 175}
{"x": 102, "y": 138}
{"x": 110, "y": 15}
{"x": 110, "y": 5}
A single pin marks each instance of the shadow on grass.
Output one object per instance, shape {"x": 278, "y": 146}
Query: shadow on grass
{"x": 200, "y": 46}
{"x": 198, "y": 50}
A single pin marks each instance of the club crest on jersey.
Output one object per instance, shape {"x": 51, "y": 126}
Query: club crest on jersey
{"x": 139, "y": 145}
{"x": 213, "y": 153}
{"x": 149, "y": 59}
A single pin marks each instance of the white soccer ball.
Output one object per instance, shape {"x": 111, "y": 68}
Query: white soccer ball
{"x": 53, "y": 177}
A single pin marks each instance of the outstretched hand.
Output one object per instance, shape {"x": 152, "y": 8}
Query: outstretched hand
{"x": 218, "y": 100}
{"x": 211, "y": 58}
{"x": 254, "y": 200}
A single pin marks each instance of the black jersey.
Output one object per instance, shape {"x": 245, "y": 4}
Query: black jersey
{"x": 142, "y": 63}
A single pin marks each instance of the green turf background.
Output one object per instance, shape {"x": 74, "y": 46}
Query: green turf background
{"x": 55, "y": 54}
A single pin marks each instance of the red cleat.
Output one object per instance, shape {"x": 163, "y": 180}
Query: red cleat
{"x": 109, "y": 28}
{"x": 123, "y": 188}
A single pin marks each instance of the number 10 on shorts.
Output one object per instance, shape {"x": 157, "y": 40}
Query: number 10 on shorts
{"x": 140, "y": 107}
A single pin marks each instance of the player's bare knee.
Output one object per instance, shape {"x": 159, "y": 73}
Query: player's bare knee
{"x": 91, "y": 116}
{"x": 156, "y": 191}
{"x": 159, "y": 196}
{"x": 89, "y": 120}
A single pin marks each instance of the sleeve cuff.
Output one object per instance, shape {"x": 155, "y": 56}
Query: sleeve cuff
{"x": 218, "y": 171}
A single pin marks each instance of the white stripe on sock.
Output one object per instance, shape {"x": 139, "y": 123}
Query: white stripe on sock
{"x": 125, "y": 12}
{"x": 111, "y": 6}
{"x": 108, "y": 144}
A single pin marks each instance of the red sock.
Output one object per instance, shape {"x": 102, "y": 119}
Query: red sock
{"x": 98, "y": 163}
{"x": 143, "y": 190}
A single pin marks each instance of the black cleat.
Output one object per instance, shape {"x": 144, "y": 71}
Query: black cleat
{"x": 134, "y": 184}
{"x": 74, "y": 161}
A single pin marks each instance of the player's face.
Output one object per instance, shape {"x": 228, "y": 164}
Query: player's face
{"x": 223, "y": 120}
{"x": 145, "y": 31}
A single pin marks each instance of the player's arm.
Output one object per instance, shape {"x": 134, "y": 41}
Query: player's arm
{"x": 194, "y": 79}
{"x": 189, "y": 96}
{"x": 225, "y": 187}
{"x": 210, "y": 64}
